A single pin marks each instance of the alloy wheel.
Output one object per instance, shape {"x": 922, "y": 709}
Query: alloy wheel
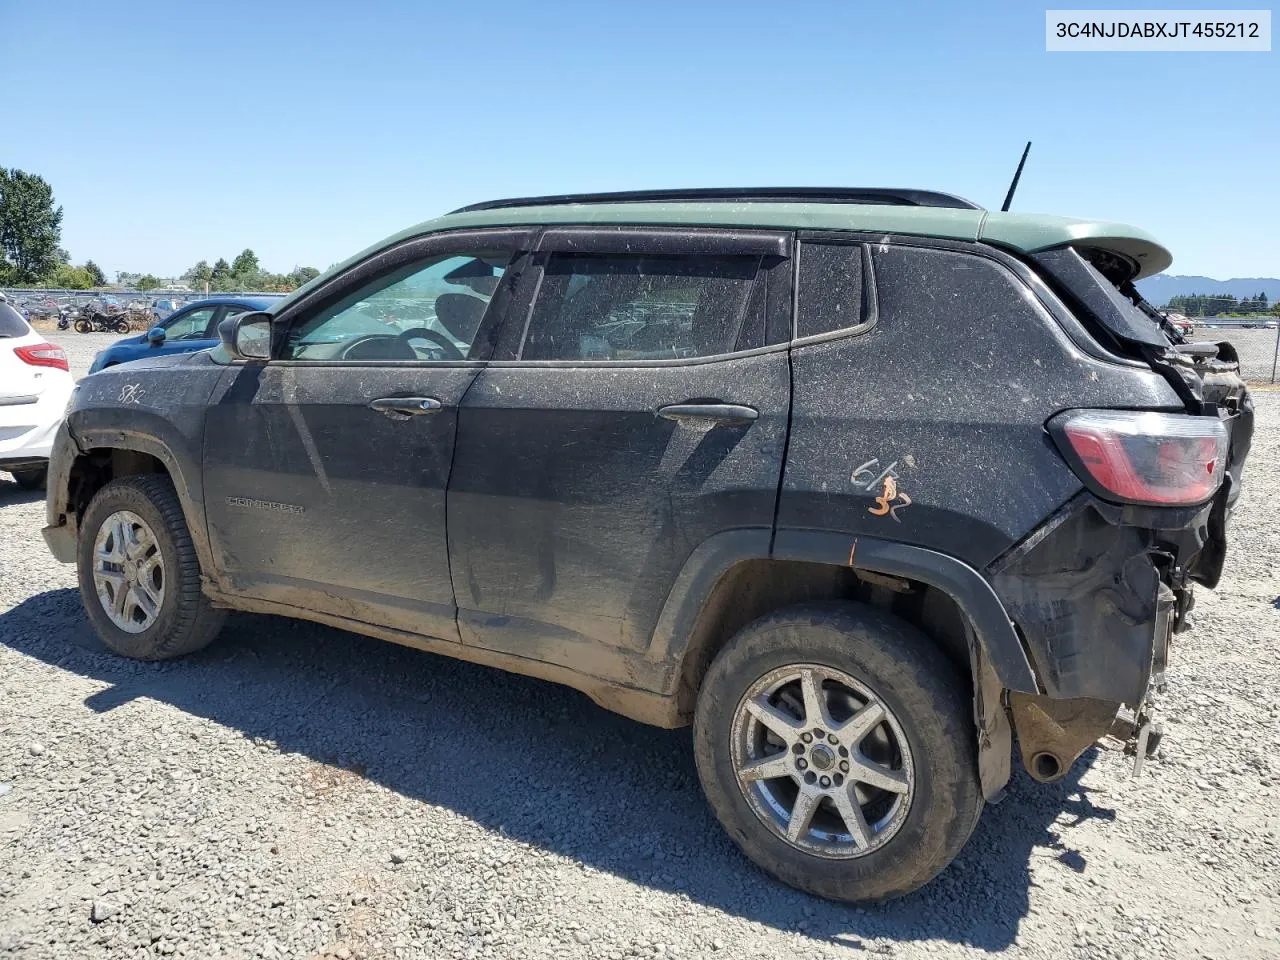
{"x": 128, "y": 571}
{"x": 822, "y": 761}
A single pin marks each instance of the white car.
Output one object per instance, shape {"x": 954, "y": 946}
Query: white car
{"x": 35, "y": 385}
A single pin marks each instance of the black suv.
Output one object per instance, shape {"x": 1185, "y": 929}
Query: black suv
{"x": 862, "y": 483}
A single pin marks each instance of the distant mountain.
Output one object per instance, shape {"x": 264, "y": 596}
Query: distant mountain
{"x": 1162, "y": 286}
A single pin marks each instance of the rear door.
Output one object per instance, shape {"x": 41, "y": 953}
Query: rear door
{"x": 634, "y": 409}
{"x": 326, "y": 468}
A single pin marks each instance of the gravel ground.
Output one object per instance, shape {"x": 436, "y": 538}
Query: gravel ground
{"x": 296, "y": 791}
{"x": 81, "y": 347}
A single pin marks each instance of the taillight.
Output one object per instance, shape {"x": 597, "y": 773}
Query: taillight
{"x": 43, "y": 355}
{"x": 1167, "y": 459}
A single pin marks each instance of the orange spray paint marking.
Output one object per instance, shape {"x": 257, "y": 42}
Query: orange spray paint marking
{"x": 885, "y": 502}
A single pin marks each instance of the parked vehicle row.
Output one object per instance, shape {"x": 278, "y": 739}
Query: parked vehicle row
{"x": 861, "y": 483}
{"x": 194, "y": 327}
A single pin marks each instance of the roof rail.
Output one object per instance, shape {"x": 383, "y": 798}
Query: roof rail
{"x": 902, "y": 198}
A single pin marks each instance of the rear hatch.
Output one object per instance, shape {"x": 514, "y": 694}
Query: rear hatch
{"x": 1096, "y": 282}
{"x": 20, "y": 383}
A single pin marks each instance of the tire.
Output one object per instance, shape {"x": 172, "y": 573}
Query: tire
{"x": 31, "y": 479}
{"x": 926, "y": 702}
{"x": 121, "y": 326}
{"x": 84, "y": 326}
{"x": 184, "y": 620}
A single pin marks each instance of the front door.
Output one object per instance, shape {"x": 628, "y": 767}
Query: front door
{"x": 326, "y": 467}
{"x": 642, "y": 413}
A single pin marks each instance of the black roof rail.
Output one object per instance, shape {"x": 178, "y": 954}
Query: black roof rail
{"x": 901, "y": 198}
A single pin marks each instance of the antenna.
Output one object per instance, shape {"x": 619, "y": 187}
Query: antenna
{"x": 1008, "y": 199}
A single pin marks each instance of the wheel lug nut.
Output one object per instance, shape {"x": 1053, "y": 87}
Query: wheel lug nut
{"x": 807, "y": 738}
{"x": 802, "y": 763}
{"x": 844, "y": 766}
{"x": 810, "y": 777}
{"x": 831, "y": 739}
{"x": 825, "y": 781}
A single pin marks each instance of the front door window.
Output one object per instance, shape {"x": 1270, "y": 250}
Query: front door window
{"x": 426, "y": 311}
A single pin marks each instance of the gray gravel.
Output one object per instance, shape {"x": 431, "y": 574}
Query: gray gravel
{"x": 296, "y": 791}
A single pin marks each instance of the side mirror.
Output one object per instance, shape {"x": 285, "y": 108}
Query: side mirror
{"x": 247, "y": 336}
{"x": 155, "y": 336}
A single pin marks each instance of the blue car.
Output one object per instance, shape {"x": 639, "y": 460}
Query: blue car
{"x": 194, "y": 327}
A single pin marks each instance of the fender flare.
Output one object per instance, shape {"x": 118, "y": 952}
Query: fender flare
{"x": 1000, "y": 643}
{"x": 87, "y": 441}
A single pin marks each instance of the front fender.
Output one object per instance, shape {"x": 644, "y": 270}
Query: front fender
{"x": 156, "y": 407}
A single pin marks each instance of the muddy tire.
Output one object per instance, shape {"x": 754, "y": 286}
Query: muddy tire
{"x": 139, "y": 573}
{"x": 836, "y": 745}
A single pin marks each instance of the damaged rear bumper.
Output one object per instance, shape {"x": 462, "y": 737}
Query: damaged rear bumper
{"x": 1097, "y": 594}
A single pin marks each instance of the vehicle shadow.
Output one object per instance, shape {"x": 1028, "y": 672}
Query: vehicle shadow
{"x": 11, "y": 493}
{"x": 577, "y": 780}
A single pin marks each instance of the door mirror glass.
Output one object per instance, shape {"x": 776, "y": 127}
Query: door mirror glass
{"x": 247, "y": 336}
{"x": 155, "y": 336}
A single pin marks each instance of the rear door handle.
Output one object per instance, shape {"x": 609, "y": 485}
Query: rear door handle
{"x": 727, "y": 413}
{"x": 399, "y": 408}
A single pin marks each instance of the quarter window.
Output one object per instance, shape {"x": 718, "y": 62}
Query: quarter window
{"x": 426, "y": 311}
{"x": 831, "y": 293}
{"x": 595, "y": 307}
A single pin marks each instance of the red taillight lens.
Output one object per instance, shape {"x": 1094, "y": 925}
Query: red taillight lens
{"x": 43, "y": 355}
{"x": 1166, "y": 459}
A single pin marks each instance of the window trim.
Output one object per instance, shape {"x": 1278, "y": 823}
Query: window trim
{"x": 626, "y": 240}
{"x": 868, "y": 291}
{"x": 518, "y": 240}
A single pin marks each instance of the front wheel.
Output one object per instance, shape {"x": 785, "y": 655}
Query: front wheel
{"x": 121, "y": 326}
{"x": 835, "y": 743}
{"x": 139, "y": 573}
{"x": 84, "y": 326}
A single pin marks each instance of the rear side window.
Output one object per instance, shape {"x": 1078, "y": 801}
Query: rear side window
{"x": 11, "y": 322}
{"x": 831, "y": 294}
{"x": 604, "y": 307}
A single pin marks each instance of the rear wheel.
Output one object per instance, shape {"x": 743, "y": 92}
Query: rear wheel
{"x": 836, "y": 745}
{"x": 83, "y": 326}
{"x": 31, "y": 479}
{"x": 139, "y": 573}
{"x": 121, "y": 325}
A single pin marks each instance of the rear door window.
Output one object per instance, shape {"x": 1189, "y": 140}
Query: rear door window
{"x": 650, "y": 307}
{"x": 831, "y": 292}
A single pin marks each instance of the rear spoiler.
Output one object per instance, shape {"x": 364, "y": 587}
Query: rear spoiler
{"x": 1027, "y": 234}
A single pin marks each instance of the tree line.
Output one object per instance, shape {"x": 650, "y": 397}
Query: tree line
{"x": 1216, "y": 305}
{"x": 31, "y": 254}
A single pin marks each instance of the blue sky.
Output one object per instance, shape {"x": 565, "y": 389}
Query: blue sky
{"x": 173, "y": 132}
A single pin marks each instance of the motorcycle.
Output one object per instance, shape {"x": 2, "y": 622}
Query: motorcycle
{"x": 91, "y": 320}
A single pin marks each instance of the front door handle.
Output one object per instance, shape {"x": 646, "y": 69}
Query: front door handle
{"x": 401, "y": 408}
{"x": 727, "y": 413}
